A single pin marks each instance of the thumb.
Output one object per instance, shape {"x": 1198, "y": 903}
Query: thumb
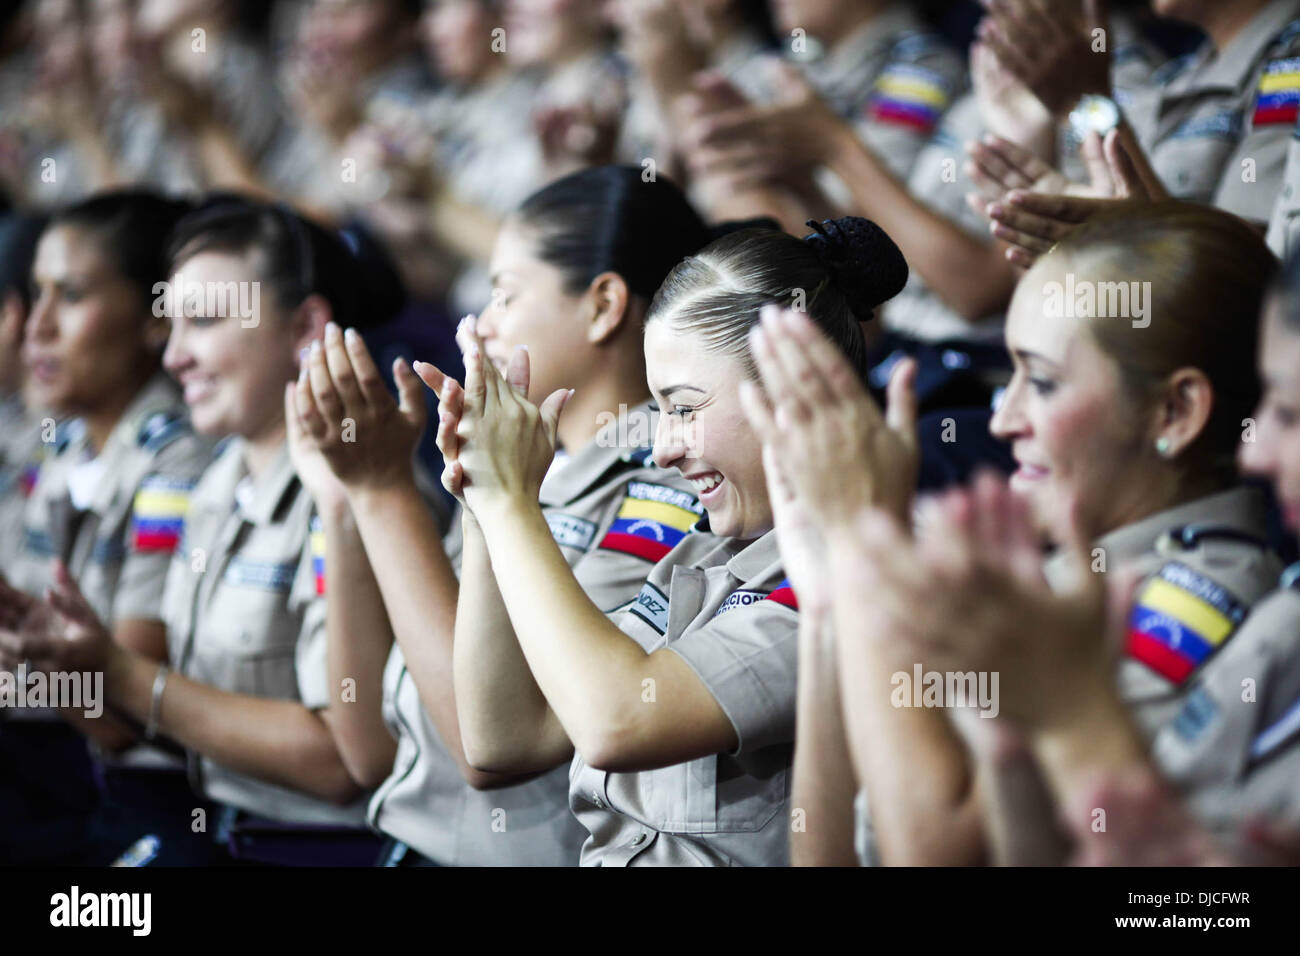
{"x": 551, "y": 409}
{"x": 518, "y": 371}
{"x": 1101, "y": 176}
{"x": 901, "y": 402}
{"x": 410, "y": 398}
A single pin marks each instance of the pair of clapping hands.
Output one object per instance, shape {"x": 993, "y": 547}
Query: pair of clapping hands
{"x": 349, "y": 436}
{"x": 841, "y": 477}
{"x": 1059, "y": 55}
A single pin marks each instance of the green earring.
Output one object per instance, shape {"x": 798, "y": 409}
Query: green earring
{"x": 1163, "y": 448}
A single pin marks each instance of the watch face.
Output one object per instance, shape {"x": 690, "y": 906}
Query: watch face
{"x": 1095, "y": 114}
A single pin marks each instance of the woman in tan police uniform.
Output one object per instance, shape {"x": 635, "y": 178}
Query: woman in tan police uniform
{"x": 1234, "y": 747}
{"x": 109, "y": 496}
{"x": 1127, "y": 423}
{"x": 1230, "y": 753}
{"x": 574, "y": 270}
{"x": 244, "y": 691}
{"x": 681, "y": 758}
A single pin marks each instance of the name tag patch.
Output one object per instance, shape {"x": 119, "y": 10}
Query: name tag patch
{"x": 651, "y": 606}
{"x": 571, "y": 532}
{"x": 262, "y": 575}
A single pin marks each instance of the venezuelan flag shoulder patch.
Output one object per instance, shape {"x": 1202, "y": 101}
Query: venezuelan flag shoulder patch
{"x": 651, "y": 520}
{"x": 1179, "y": 620}
{"x": 158, "y": 513}
{"x": 318, "y": 553}
{"x": 784, "y": 594}
{"x": 1278, "y": 98}
{"x": 908, "y": 95}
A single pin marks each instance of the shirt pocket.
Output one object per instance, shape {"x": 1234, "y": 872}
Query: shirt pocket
{"x": 715, "y": 795}
{"x": 247, "y": 639}
{"x": 1191, "y": 161}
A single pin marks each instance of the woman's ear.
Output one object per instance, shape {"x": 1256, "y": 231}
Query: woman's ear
{"x": 610, "y": 297}
{"x": 1189, "y": 401}
{"x": 309, "y": 321}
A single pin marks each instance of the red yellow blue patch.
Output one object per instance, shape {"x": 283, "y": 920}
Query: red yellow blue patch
{"x": 318, "y": 553}
{"x": 158, "y": 513}
{"x": 1180, "y": 619}
{"x": 1278, "y": 99}
{"x": 651, "y": 520}
{"x": 784, "y": 594}
{"x": 908, "y": 95}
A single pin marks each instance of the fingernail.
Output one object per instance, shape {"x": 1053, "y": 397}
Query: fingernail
{"x": 350, "y": 336}
{"x": 331, "y": 331}
{"x": 303, "y": 354}
{"x": 316, "y": 347}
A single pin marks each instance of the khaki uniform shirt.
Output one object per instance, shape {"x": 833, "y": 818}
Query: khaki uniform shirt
{"x": 425, "y": 802}
{"x": 119, "y": 548}
{"x": 893, "y": 79}
{"x": 1206, "y": 565}
{"x": 1216, "y": 128}
{"x": 725, "y": 607}
{"x": 245, "y": 613}
{"x": 939, "y": 180}
{"x": 1235, "y": 745}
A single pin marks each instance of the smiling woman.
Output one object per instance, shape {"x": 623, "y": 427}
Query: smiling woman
{"x": 243, "y": 687}
{"x": 108, "y": 500}
{"x": 681, "y": 756}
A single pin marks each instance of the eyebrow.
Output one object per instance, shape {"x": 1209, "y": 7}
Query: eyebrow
{"x": 1027, "y": 356}
{"x": 678, "y": 388}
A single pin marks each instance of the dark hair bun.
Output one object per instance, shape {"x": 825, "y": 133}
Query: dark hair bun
{"x": 863, "y": 262}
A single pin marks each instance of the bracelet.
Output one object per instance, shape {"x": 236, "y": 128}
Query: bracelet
{"x": 155, "y": 702}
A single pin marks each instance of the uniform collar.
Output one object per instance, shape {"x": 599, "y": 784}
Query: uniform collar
{"x": 874, "y": 38}
{"x": 1239, "y": 509}
{"x": 759, "y": 556}
{"x": 1234, "y": 67}
{"x": 279, "y": 482}
{"x": 584, "y": 469}
{"x": 159, "y": 394}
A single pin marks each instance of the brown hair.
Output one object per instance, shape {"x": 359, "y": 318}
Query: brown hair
{"x": 838, "y": 275}
{"x": 1209, "y": 273}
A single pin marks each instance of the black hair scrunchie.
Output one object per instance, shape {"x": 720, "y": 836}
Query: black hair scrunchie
{"x": 863, "y": 262}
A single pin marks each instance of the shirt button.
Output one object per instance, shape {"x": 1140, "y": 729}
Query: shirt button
{"x": 637, "y": 840}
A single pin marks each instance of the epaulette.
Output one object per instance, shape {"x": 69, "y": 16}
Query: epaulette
{"x": 642, "y": 457}
{"x": 1166, "y": 73}
{"x": 162, "y": 428}
{"x": 1192, "y": 536}
{"x": 1289, "y": 33}
{"x": 915, "y": 44}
